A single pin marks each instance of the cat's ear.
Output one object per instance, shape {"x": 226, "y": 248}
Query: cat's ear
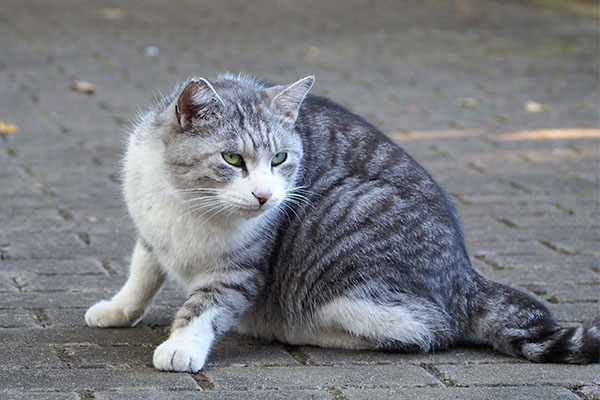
{"x": 287, "y": 99}
{"x": 197, "y": 101}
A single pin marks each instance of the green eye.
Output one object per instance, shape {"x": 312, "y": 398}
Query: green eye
{"x": 278, "y": 159}
{"x": 233, "y": 159}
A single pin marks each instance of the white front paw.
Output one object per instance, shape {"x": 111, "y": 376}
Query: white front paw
{"x": 180, "y": 355}
{"x": 105, "y": 314}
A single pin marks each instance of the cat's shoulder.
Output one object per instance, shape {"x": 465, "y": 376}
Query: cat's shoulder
{"x": 321, "y": 113}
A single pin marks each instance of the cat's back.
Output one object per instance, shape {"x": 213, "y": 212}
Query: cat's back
{"x": 340, "y": 143}
{"x": 372, "y": 216}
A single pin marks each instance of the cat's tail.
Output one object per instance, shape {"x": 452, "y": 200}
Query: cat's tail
{"x": 517, "y": 324}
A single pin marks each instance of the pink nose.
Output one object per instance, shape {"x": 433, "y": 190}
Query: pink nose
{"x": 262, "y": 197}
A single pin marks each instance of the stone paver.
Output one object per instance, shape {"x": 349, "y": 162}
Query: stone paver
{"x": 41, "y": 396}
{"x": 474, "y": 393}
{"x": 12, "y": 319}
{"x": 461, "y": 355}
{"x": 93, "y": 379}
{"x": 507, "y": 374}
{"x": 31, "y": 358}
{"x": 313, "y": 377}
{"x": 499, "y": 100}
{"x": 218, "y": 395}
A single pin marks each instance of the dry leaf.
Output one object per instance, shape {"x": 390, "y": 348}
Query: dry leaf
{"x": 310, "y": 53}
{"x": 469, "y": 102}
{"x": 83, "y": 86}
{"x": 413, "y": 108}
{"x": 7, "y": 128}
{"x": 534, "y": 107}
{"x": 113, "y": 14}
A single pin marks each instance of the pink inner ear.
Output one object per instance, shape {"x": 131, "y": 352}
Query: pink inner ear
{"x": 185, "y": 104}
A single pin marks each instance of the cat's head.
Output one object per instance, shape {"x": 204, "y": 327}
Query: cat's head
{"x": 231, "y": 147}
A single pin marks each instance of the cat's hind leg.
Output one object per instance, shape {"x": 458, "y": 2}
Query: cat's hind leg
{"x": 330, "y": 339}
{"x": 129, "y": 304}
{"x": 253, "y": 324}
{"x": 357, "y": 323}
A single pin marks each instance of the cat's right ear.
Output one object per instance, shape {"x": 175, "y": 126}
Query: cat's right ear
{"x": 287, "y": 99}
{"x": 198, "y": 101}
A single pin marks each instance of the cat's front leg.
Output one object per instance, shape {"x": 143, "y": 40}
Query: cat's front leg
{"x": 128, "y": 305}
{"x": 209, "y": 312}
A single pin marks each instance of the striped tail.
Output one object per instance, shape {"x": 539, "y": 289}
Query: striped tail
{"x": 517, "y": 324}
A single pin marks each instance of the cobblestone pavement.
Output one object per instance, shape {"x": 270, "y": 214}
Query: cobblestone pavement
{"x": 498, "y": 99}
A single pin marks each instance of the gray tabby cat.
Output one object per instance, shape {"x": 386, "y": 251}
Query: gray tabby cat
{"x": 287, "y": 217}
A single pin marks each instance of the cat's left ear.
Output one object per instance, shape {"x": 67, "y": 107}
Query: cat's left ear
{"x": 197, "y": 101}
{"x": 287, "y": 99}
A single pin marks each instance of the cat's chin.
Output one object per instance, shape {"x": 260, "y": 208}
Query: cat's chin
{"x": 250, "y": 214}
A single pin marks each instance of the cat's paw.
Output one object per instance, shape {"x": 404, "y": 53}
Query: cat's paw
{"x": 180, "y": 355}
{"x": 106, "y": 314}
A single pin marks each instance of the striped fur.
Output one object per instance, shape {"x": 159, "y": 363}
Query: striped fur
{"x": 517, "y": 324}
{"x": 356, "y": 246}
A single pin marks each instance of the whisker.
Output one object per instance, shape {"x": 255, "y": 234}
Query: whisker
{"x": 218, "y": 211}
{"x": 300, "y": 198}
{"x": 300, "y": 202}
{"x": 209, "y": 206}
{"x": 203, "y": 198}
{"x": 201, "y": 201}
{"x": 309, "y": 192}
{"x": 199, "y": 190}
{"x": 280, "y": 209}
{"x": 290, "y": 208}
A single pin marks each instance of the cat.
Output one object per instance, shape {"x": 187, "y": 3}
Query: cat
{"x": 287, "y": 217}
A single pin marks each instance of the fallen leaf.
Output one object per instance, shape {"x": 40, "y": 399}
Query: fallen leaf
{"x": 310, "y": 53}
{"x": 113, "y": 14}
{"x": 83, "y": 86}
{"x": 550, "y": 298}
{"x": 7, "y": 128}
{"x": 469, "y": 102}
{"x": 534, "y": 107}
{"x": 413, "y": 108}
{"x": 463, "y": 6}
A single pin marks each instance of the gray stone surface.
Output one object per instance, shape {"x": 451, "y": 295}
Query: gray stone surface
{"x": 93, "y": 356}
{"x": 53, "y": 267}
{"x": 78, "y": 335}
{"x": 461, "y": 355}
{"x": 30, "y": 358}
{"x": 505, "y": 374}
{"x": 40, "y": 396}
{"x": 218, "y": 395}
{"x": 448, "y": 81}
{"x": 575, "y": 311}
{"x": 474, "y": 393}
{"x": 14, "y": 318}
{"x": 313, "y": 377}
{"x": 233, "y": 354}
{"x": 93, "y": 379}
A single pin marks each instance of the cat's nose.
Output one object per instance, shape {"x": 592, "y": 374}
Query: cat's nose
{"x": 262, "y": 197}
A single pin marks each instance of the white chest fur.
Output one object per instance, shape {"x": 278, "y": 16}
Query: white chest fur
{"x": 187, "y": 245}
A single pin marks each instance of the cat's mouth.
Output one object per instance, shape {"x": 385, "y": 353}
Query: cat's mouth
{"x": 255, "y": 210}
